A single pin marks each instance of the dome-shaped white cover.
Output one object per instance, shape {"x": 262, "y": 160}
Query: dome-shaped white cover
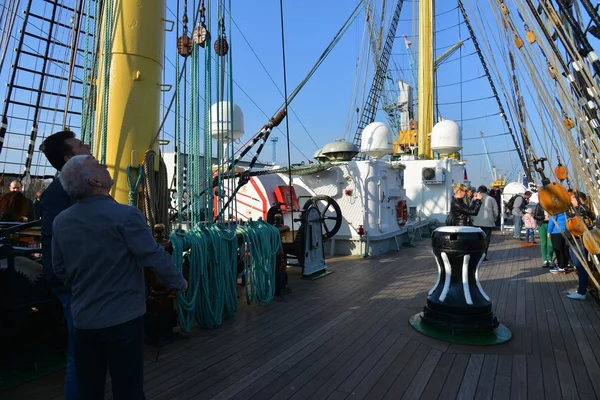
{"x": 224, "y": 124}
{"x": 446, "y": 137}
{"x": 377, "y": 140}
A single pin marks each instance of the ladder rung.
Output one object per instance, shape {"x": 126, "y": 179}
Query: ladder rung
{"x": 33, "y": 35}
{"x": 40, "y": 122}
{"x": 55, "y": 60}
{"x": 46, "y": 92}
{"x": 42, "y": 107}
{"x": 47, "y": 75}
{"x": 62, "y": 5}
{"x": 57, "y": 22}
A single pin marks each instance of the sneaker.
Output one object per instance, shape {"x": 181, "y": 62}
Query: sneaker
{"x": 547, "y": 264}
{"x": 557, "y": 270}
{"x": 576, "y": 296}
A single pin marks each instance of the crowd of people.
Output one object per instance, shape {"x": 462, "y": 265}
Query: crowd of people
{"x": 561, "y": 250}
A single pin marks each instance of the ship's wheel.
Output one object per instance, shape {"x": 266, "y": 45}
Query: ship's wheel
{"x": 330, "y": 212}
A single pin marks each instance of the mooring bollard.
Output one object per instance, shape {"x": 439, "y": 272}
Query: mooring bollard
{"x": 458, "y": 309}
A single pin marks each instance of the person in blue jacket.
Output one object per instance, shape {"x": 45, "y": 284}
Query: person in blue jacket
{"x": 58, "y": 149}
{"x": 557, "y": 225}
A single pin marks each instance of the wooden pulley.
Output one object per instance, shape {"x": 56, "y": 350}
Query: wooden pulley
{"x": 184, "y": 45}
{"x": 554, "y": 198}
{"x": 200, "y": 35}
{"x": 568, "y": 123}
{"x": 591, "y": 241}
{"x": 221, "y": 46}
{"x": 519, "y": 42}
{"x": 560, "y": 172}
{"x": 530, "y": 36}
{"x": 504, "y": 9}
{"x": 576, "y": 226}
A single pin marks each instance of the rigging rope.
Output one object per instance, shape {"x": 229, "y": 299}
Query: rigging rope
{"x": 106, "y": 62}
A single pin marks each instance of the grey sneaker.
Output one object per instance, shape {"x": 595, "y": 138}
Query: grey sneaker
{"x": 576, "y": 296}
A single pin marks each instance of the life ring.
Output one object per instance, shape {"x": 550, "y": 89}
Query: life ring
{"x": 402, "y": 213}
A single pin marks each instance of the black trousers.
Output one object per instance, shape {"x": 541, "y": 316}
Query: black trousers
{"x": 118, "y": 348}
{"x": 488, "y": 233}
{"x": 561, "y": 249}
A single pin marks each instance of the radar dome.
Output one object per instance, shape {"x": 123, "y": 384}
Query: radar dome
{"x": 222, "y": 121}
{"x": 377, "y": 140}
{"x": 339, "y": 150}
{"x": 446, "y": 137}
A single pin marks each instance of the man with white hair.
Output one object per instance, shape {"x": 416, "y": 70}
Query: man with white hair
{"x": 100, "y": 249}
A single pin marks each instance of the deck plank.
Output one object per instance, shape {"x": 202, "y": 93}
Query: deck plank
{"x": 455, "y": 377}
{"x": 518, "y": 380}
{"x": 485, "y": 385}
{"x": 438, "y": 377}
{"x": 419, "y": 382}
{"x": 470, "y": 379}
{"x": 503, "y": 377}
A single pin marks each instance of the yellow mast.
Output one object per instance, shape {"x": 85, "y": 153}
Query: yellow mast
{"x": 426, "y": 78}
{"x": 134, "y": 88}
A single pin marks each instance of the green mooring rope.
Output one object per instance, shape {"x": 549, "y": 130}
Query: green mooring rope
{"x": 263, "y": 242}
{"x": 211, "y": 252}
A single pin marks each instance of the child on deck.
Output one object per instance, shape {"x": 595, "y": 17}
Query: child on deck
{"x": 530, "y": 225}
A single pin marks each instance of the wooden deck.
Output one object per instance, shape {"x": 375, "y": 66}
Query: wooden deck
{"x": 347, "y": 336}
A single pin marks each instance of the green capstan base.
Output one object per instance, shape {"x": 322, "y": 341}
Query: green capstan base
{"x": 499, "y": 335}
{"x": 316, "y": 275}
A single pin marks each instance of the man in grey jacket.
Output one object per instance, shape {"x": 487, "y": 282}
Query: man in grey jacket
{"x": 486, "y": 218}
{"x": 517, "y": 211}
{"x": 100, "y": 249}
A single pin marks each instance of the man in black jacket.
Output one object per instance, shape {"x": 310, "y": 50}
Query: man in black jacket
{"x": 58, "y": 149}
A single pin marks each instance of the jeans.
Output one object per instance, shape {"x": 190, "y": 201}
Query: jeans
{"x": 118, "y": 348}
{"x": 545, "y": 242}
{"x": 529, "y": 233}
{"x": 71, "y": 387}
{"x": 581, "y": 272}
{"x": 518, "y": 222}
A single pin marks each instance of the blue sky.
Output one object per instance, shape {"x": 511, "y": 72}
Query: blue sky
{"x": 321, "y": 109}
